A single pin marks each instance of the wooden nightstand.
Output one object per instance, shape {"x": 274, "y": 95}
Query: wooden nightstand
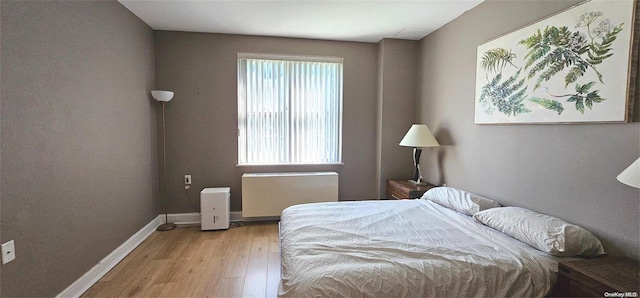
{"x": 595, "y": 277}
{"x": 402, "y": 189}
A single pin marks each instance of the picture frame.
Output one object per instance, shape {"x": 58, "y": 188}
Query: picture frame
{"x": 576, "y": 66}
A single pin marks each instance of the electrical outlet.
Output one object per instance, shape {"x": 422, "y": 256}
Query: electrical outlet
{"x": 8, "y": 252}
{"x": 187, "y": 179}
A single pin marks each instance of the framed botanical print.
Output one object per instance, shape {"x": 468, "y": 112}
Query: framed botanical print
{"x": 576, "y": 66}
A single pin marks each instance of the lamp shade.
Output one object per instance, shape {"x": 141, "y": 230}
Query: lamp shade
{"x": 419, "y": 135}
{"x": 631, "y": 175}
{"x": 161, "y": 95}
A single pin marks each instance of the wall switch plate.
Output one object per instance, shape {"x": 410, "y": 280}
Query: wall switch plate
{"x": 8, "y": 252}
{"x": 187, "y": 179}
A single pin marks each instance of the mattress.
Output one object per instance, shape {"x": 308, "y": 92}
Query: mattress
{"x": 404, "y": 248}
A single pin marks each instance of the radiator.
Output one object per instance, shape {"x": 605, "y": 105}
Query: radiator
{"x": 267, "y": 194}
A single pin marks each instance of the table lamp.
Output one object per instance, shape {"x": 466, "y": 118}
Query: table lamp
{"x": 418, "y": 136}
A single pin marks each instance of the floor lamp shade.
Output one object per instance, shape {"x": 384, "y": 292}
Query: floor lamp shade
{"x": 631, "y": 175}
{"x": 417, "y": 137}
{"x": 162, "y": 95}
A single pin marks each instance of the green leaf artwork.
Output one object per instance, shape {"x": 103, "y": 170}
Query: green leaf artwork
{"x": 496, "y": 59}
{"x": 549, "y": 104}
{"x": 584, "y": 98}
{"x": 507, "y": 97}
{"x": 572, "y": 57}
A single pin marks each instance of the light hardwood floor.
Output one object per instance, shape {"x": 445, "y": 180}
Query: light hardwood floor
{"x": 186, "y": 262}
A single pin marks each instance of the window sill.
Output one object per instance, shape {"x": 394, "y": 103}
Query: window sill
{"x": 289, "y": 164}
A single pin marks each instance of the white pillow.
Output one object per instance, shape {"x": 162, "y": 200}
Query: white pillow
{"x": 459, "y": 200}
{"x": 546, "y": 233}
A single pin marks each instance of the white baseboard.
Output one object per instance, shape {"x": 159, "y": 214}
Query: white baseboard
{"x": 182, "y": 218}
{"x": 98, "y": 271}
{"x": 194, "y": 218}
{"x": 237, "y": 216}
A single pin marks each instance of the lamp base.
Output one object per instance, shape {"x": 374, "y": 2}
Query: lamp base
{"x": 166, "y": 227}
{"x": 420, "y": 182}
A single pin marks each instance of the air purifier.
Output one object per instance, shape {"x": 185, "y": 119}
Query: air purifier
{"x": 214, "y": 208}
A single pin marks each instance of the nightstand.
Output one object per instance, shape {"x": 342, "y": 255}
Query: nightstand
{"x": 598, "y": 276}
{"x": 402, "y": 189}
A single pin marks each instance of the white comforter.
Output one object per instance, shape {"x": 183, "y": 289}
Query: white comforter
{"x": 408, "y": 248}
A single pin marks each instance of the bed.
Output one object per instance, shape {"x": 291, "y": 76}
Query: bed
{"x": 404, "y": 248}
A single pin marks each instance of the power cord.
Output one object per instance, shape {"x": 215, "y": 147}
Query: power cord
{"x": 186, "y": 192}
{"x": 236, "y": 224}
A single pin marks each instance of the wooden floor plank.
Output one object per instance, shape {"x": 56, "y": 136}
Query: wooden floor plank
{"x": 154, "y": 290}
{"x": 187, "y": 262}
{"x": 230, "y": 287}
{"x": 235, "y": 266}
{"x": 273, "y": 274}
{"x": 274, "y": 239}
{"x": 97, "y": 289}
{"x": 255, "y": 281}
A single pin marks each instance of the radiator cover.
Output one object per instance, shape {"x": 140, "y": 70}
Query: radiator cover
{"x": 267, "y": 194}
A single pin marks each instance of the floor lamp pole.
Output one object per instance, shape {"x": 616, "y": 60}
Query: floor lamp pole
{"x": 166, "y": 226}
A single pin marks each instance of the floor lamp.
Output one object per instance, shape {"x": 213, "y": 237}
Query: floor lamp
{"x": 164, "y": 97}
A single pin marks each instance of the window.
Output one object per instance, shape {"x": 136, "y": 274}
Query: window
{"x": 289, "y": 109}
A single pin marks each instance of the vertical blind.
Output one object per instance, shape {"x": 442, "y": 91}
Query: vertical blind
{"x": 289, "y": 109}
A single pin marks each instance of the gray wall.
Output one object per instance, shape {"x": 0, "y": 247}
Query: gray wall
{"x": 202, "y": 118}
{"x": 1, "y": 84}
{"x": 79, "y": 156}
{"x": 397, "y": 69}
{"x": 563, "y": 170}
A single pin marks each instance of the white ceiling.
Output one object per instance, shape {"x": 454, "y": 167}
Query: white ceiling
{"x": 350, "y": 20}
